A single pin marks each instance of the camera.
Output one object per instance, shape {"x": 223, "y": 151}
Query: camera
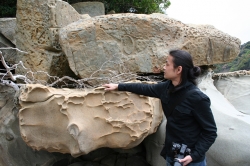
{"x": 180, "y": 151}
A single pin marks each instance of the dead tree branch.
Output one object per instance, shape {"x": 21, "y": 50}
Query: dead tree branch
{"x": 121, "y": 74}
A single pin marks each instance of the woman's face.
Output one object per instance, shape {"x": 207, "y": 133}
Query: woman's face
{"x": 170, "y": 72}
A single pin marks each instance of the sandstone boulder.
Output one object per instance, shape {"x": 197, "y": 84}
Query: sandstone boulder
{"x": 109, "y": 45}
{"x": 140, "y": 43}
{"x": 80, "y": 121}
{"x": 38, "y": 23}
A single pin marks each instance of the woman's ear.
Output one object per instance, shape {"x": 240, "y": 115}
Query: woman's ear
{"x": 179, "y": 69}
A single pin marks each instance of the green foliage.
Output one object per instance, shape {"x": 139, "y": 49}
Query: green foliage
{"x": 131, "y": 6}
{"x": 8, "y": 8}
{"x": 136, "y": 6}
{"x": 242, "y": 62}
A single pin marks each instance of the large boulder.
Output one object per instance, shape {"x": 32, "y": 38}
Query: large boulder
{"x": 109, "y": 45}
{"x": 232, "y": 144}
{"x": 38, "y": 23}
{"x": 139, "y": 43}
{"x": 79, "y": 121}
{"x": 14, "y": 151}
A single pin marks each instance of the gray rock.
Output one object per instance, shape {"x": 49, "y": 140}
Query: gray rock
{"x": 9, "y": 55}
{"x": 13, "y": 149}
{"x": 232, "y": 144}
{"x": 91, "y": 8}
{"x": 8, "y": 28}
{"x": 236, "y": 88}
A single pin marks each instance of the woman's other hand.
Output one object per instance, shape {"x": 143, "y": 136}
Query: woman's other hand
{"x": 110, "y": 87}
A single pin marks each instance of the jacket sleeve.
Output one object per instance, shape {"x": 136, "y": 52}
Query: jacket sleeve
{"x": 151, "y": 90}
{"x": 204, "y": 117}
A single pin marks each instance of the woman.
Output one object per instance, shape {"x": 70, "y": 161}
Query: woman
{"x": 192, "y": 122}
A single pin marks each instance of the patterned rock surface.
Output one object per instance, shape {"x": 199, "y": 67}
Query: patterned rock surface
{"x": 141, "y": 42}
{"x": 80, "y": 121}
{"x": 86, "y": 45}
{"x": 38, "y": 23}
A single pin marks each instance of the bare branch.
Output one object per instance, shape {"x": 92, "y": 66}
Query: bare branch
{"x": 11, "y": 48}
{"x": 121, "y": 74}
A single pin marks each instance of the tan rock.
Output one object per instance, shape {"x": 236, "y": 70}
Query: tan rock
{"x": 79, "y": 121}
{"x": 140, "y": 43}
{"x": 37, "y": 33}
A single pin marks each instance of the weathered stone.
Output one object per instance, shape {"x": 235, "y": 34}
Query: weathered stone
{"x": 13, "y": 150}
{"x": 154, "y": 144}
{"x": 96, "y": 47}
{"x": 235, "y": 86}
{"x": 85, "y": 120}
{"x": 7, "y": 28}
{"x": 91, "y": 8}
{"x": 232, "y": 144}
{"x": 38, "y": 22}
{"x": 9, "y": 54}
{"x": 139, "y": 42}
{"x": 5, "y": 42}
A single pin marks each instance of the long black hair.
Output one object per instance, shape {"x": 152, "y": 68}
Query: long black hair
{"x": 189, "y": 71}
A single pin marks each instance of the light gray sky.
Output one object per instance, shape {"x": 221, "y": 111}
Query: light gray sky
{"x": 229, "y": 16}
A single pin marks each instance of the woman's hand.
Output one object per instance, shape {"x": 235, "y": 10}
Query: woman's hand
{"x": 110, "y": 87}
{"x": 188, "y": 159}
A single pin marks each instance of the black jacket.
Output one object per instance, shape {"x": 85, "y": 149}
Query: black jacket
{"x": 191, "y": 123}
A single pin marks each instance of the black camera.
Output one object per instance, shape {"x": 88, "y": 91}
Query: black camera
{"x": 180, "y": 151}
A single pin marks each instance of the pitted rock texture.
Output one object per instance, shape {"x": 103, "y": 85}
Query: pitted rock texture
{"x": 38, "y": 22}
{"x": 102, "y": 43}
{"x": 141, "y": 42}
{"x": 80, "y": 121}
